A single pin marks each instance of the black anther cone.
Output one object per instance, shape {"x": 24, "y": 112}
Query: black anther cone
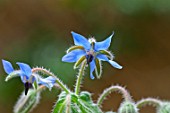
{"x": 89, "y": 58}
{"x": 27, "y": 86}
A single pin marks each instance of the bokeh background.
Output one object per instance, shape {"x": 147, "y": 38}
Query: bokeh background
{"x": 37, "y": 32}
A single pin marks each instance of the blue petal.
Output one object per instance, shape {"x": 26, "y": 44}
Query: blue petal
{"x": 73, "y": 56}
{"x": 103, "y": 45}
{"x": 48, "y": 82}
{"x": 25, "y": 68}
{"x": 7, "y": 66}
{"x": 92, "y": 67}
{"x": 23, "y": 77}
{"x": 81, "y": 40}
{"x": 102, "y": 57}
{"x": 113, "y": 63}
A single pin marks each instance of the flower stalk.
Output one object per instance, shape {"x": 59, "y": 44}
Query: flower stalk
{"x": 148, "y": 101}
{"x": 80, "y": 77}
{"x": 117, "y": 88}
{"x": 58, "y": 81}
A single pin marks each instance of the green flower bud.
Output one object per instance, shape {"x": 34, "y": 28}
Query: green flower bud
{"x": 128, "y": 107}
{"x": 26, "y": 103}
{"x": 164, "y": 107}
{"x": 86, "y": 96}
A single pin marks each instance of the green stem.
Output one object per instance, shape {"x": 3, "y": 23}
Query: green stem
{"x": 80, "y": 77}
{"x": 148, "y": 101}
{"x": 58, "y": 81}
{"x": 107, "y": 91}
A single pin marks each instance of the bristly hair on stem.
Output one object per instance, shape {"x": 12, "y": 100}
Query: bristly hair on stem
{"x": 80, "y": 77}
{"x": 148, "y": 101}
{"x": 117, "y": 88}
{"x": 58, "y": 81}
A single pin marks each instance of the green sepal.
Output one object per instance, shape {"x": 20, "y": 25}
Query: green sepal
{"x": 107, "y": 53}
{"x": 26, "y": 103}
{"x": 12, "y": 75}
{"x": 76, "y": 65}
{"x": 98, "y": 69}
{"x": 74, "y": 47}
{"x": 35, "y": 85}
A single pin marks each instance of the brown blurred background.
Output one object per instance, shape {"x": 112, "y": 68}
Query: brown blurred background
{"x": 37, "y": 32}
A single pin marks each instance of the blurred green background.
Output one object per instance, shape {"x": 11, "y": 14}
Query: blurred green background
{"x": 37, "y": 32}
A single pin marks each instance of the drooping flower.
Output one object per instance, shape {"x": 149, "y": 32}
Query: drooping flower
{"x": 91, "y": 51}
{"x": 26, "y": 75}
{"x": 48, "y": 82}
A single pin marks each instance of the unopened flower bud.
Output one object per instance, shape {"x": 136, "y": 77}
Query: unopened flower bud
{"x": 27, "y": 102}
{"x": 164, "y": 107}
{"x": 128, "y": 107}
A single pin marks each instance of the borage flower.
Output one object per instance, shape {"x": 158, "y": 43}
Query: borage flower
{"x": 91, "y": 51}
{"x": 26, "y": 75}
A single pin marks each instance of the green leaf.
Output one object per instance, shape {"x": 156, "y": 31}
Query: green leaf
{"x": 78, "y": 103}
{"x": 86, "y": 101}
{"x": 27, "y": 102}
{"x": 60, "y": 103}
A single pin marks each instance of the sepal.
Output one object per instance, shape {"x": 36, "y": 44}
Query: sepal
{"x": 77, "y": 64}
{"x": 107, "y": 53}
{"x": 12, "y": 75}
{"x": 98, "y": 69}
{"x": 74, "y": 48}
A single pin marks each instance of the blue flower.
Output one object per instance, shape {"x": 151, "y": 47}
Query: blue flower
{"x": 26, "y": 75}
{"x": 91, "y": 51}
{"x": 48, "y": 82}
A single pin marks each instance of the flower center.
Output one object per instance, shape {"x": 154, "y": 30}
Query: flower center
{"x": 89, "y": 56}
{"x": 27, "y": 86}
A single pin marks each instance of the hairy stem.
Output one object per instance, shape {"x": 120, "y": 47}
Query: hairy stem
{"x": 58, "y": 81}
{"x": 148, "y": 101}
{"x": 119, "y": 89}
{"x": 68, "y": 103}
{"x": 80, "y": 77}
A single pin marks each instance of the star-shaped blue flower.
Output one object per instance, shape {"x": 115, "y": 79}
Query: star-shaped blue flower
{"x": 26, "y": 75}
{"x": 91, "y": 51}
